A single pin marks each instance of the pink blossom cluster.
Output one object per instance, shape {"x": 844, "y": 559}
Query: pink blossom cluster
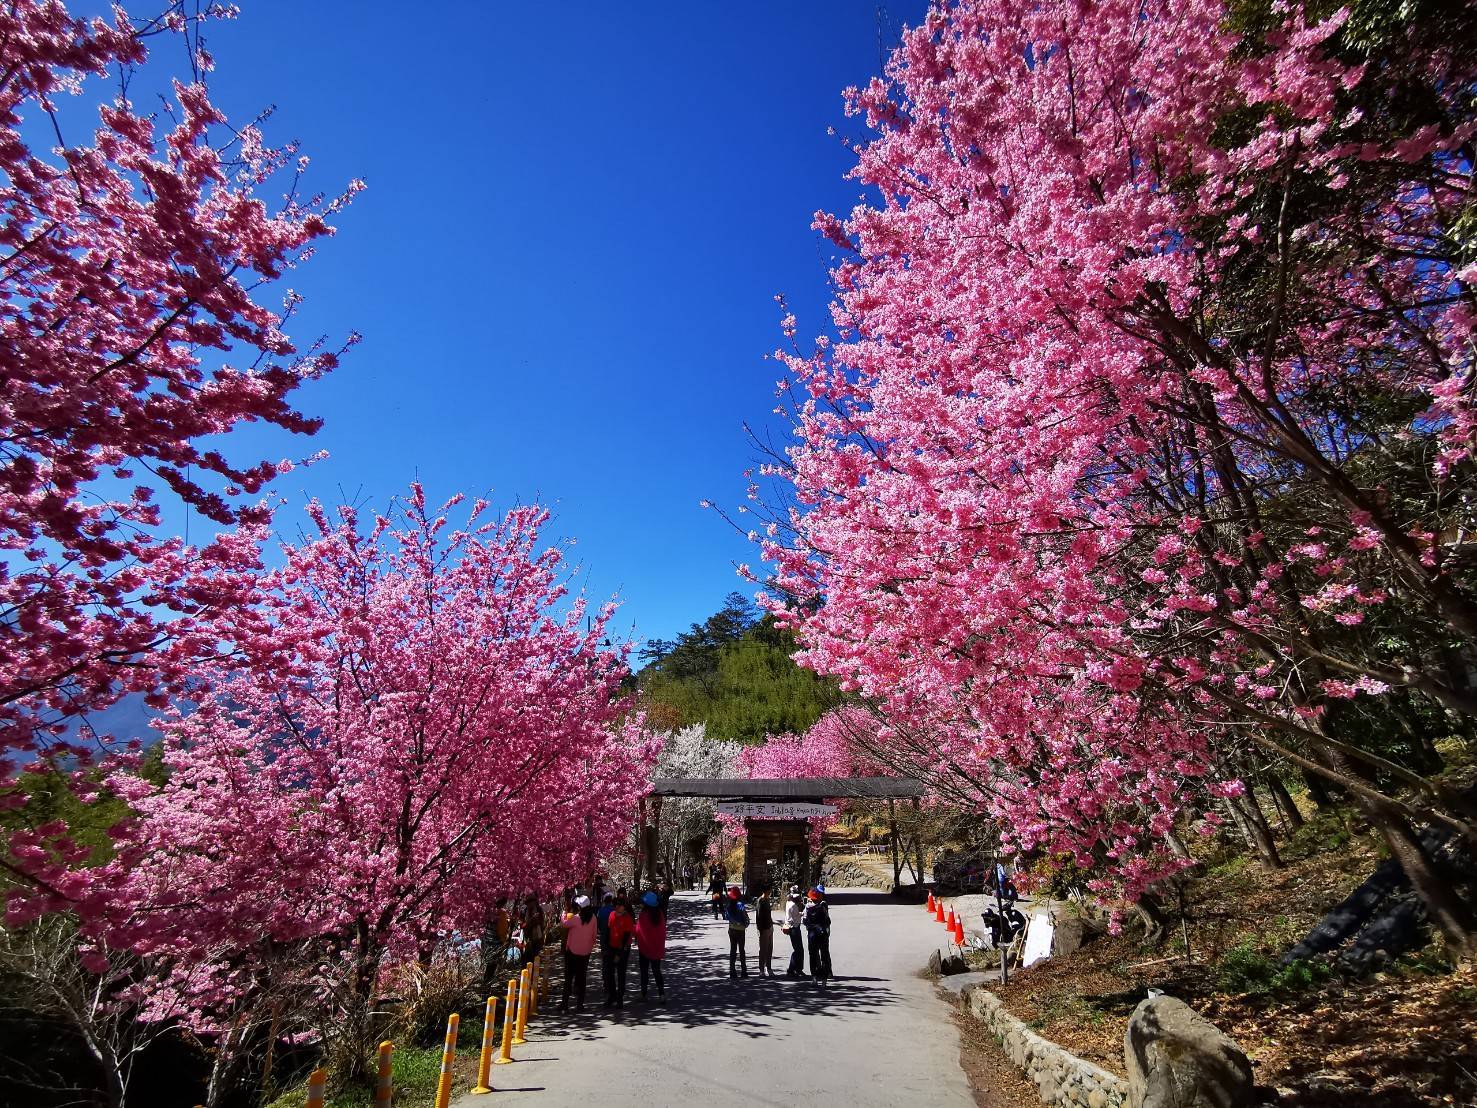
{"x": 134, "y": 336}
{"x": 826, "y": 749}
{"x": 412, "y": 722}
{"x": 1089, "y": 470}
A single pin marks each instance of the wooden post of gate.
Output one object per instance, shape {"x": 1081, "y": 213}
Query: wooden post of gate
{"x": 897, "y": 867}
{"x": 918, "y": 836}
{"x": 656, "y": 844}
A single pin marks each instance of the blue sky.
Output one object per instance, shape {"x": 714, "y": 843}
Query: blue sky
{"x": 564, "y": 264}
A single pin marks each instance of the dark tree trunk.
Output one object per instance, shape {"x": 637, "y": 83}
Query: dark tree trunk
{"x": 1318, "y": 790}
{"x": 1284, "y": 803}
{"x": 1255, "y": 828}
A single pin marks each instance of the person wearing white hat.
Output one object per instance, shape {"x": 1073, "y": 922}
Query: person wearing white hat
{"x": 581, "y": 930}
{"x": 793, "y": 916}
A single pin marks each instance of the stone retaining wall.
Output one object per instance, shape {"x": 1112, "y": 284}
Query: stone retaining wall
{"x": 1062, "y": 1079}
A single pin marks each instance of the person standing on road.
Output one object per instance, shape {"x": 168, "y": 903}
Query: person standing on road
{"x": 715, "y": 892}
{"x": 651, "y": 943}
{"x": 794, "y": 916}
{"x": 738, "y": 929}
{"x": 618, "y": 930}
{"x": 764, "y": 923}
{"x": 687, "y": 877}
{"x": 580, "y": 930}
{"x": 818, "y": 928}
{"x": 533, "y": 928}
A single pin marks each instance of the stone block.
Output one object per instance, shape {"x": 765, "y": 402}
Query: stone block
{"x": 1176, "y": 1058}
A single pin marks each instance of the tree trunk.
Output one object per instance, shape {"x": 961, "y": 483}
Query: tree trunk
{"x": 1284, "y": 802}
{"x": 1318, "y": 790}
{"x": 897, "y": 869}
{"x": 1258, "y": 831}
{"x": 1151, "y": 914}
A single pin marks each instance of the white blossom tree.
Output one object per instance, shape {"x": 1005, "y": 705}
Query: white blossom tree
{"x": 690, "y": 753}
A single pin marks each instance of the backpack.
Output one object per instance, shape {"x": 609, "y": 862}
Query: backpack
{"x": 818, "y": 918}
{"x": 738, "y": 916}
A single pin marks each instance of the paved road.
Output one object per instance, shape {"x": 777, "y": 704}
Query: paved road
{"x": 877, "y": 1035}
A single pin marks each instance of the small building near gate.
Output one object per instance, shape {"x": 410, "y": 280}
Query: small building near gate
{"x": 776, "y": 814}
{"x": 776, "y": 854}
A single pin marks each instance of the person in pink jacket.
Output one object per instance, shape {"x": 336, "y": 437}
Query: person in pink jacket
{"x": 581, "y": 928}
{"x": 651, "y": 943}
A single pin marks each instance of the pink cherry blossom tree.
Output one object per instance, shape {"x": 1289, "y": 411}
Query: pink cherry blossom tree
{"x": 1146, "y": 428}
{"x": 415, "y": 721}
{"x": 137, "y": 251}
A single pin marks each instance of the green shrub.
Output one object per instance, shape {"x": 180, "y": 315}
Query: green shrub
{"x": 1246, "y": 970}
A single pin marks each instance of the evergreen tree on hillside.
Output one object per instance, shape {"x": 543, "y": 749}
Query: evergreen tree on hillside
{"x": 733, "y": 674}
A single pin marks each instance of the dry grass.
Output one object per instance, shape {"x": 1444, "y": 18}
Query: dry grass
{"x": 1405, "y": 1039}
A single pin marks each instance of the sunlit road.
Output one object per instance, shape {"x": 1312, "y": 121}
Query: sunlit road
{"x": 876, "y": 1035}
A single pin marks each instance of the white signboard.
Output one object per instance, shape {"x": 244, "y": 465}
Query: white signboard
{"x": 1038, "y": 939}
{"x": 768, "y": 810}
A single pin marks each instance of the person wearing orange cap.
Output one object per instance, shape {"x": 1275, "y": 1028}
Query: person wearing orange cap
{"x": 817, "y": 919}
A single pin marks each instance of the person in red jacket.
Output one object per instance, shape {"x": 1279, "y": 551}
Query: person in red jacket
{"x": 651, "y": 943}
{"x": 618, "y": 951}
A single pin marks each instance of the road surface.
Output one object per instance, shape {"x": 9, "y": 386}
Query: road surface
{"x": 876, "y": 1035}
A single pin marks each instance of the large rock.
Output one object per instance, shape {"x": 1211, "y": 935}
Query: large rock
{"x": 952, "y": 964}
{"x": 1068, "y": 935}
{"x": 1177, "y": 1058}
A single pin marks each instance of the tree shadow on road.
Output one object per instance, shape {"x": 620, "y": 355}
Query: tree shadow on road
{"x": 700, "y": 993}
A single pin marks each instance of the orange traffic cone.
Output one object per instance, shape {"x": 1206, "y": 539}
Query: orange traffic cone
{"x": 929, "y": 905}
{"x": 959, "y": 931}
{"x": 949, "y": 923}
{"x": 938, "y": 910}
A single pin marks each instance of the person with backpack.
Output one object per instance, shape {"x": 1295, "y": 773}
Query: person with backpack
{"x": 534, "y": 927}
{"x": 817, "y": 921}
{"x": 738, "y": 929}
{"x": 651, "y": 943}
{"x": 794, "y": 915}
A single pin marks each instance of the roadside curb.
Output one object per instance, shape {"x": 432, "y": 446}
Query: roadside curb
{"x": 1062, "y": 1079}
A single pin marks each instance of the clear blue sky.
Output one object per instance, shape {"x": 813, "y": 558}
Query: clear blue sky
{"x": 563, "y": 267}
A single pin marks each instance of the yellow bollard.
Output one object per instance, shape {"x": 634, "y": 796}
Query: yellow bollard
{"x": 448, "y": 1054}
{"x": 484, "y": 1062}
{"x": 535, "y": 991}
{"x": 510, "y": 1008}
{"x": 316, "y": 1082}
{"x": 523, "y": 987}
{"x": 384, "y": 1085}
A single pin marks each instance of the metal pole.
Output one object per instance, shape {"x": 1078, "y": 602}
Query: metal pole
{"x": 1004, "y": 927}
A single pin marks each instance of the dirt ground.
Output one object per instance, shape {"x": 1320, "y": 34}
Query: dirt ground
{"x": 993, "y": 1080}
{"x": 1405, "y": 1038}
